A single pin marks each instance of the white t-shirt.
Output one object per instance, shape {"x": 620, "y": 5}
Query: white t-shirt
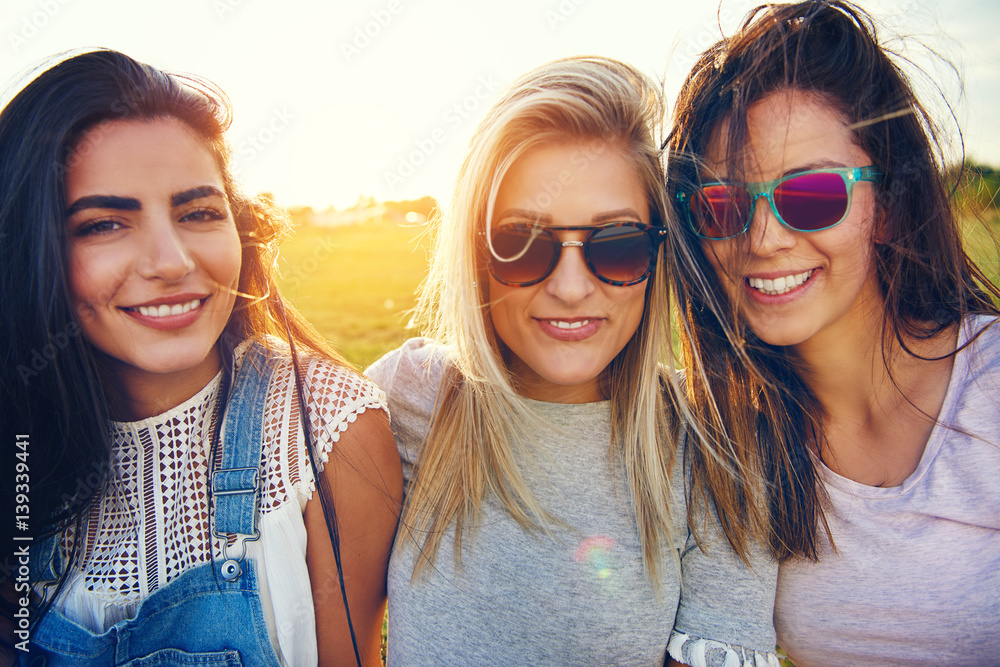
{"x": 916, "y": 576}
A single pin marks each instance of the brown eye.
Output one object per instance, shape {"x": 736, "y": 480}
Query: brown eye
{"x": 206, "y": 214}
{"x": 96, "y": 227}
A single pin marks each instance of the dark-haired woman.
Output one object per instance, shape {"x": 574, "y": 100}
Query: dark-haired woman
{"x": 833, "y": 316}
{"x": 176, "y": 432}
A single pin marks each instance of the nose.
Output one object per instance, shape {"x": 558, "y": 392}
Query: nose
{"x": 165, "y": 254}
{"x": 571, "y": 281}
{"x": 767, "y": 234}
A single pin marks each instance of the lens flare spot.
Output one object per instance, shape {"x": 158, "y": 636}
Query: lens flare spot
{"x": 595, "y": 552}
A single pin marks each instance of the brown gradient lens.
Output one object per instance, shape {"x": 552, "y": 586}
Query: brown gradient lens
{"x": 620, "y": 254}
{"x": 524, "y": 254}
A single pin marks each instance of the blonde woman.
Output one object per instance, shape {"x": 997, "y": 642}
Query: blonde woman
{"x": 546, "y": 520}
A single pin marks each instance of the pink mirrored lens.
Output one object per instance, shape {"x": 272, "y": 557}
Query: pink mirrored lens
{"x": 812, "y": 201}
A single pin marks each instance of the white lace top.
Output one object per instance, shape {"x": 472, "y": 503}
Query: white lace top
{"x": 153, "y": 521}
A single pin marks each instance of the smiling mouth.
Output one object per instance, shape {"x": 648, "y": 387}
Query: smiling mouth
{"x": 563, "y": 324}
{"x": 779, "y": 285}
{"x": 165, "y": 310}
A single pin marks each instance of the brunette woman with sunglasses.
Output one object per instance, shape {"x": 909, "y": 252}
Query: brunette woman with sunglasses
{"x": 166, "y": 415}
{"x": 541, "y": 442}
{"x": 834, "y": 323}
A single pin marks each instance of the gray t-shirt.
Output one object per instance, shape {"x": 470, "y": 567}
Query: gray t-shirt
{"x": 574, "y": 595}
{"x": 916, "y": 576}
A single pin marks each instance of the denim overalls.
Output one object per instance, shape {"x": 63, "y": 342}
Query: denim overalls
{"x": 211, "y": 614}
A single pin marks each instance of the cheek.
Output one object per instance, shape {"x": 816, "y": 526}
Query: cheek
{"x": 235, "y": 259}
{"x": 851, "y": 247}
{"x": 94, "y": 278}
{"x": 719, "y": 255}
{"x": 636, "y": 303}
{"x": 503, "y": 301}
{"x": 222, "y": 259}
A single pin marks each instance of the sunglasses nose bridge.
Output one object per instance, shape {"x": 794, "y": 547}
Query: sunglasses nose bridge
{"x": 765, "y": 190}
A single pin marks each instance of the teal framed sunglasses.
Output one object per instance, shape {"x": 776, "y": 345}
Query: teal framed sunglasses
{"x": 807, "y": 201}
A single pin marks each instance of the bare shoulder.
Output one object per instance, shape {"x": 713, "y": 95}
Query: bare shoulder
{"x": 368, "y": 443}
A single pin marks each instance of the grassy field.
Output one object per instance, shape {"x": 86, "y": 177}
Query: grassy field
{"x": 356, "y": 283}
{"x": 983, "y": 240}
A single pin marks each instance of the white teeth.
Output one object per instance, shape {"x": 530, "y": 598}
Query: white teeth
{"x": 560, "y": 324}
{"x": 779, "y": 285}
{"x": 165, "y": 310}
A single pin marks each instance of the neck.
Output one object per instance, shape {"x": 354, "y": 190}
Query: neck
{"x": 137, "y": 394}
{"x": 856, "y": 368}
{"x": 581, "y": 393}
{"x": 879, "y": 402}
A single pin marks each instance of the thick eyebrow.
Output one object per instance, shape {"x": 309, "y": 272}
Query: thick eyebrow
{"x": 104, "y": 201}
{"x": 182, "y": 198}
{"x": 131, "y": 204}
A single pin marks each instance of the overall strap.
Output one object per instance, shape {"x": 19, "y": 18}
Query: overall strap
{"x": 236, "y": 481}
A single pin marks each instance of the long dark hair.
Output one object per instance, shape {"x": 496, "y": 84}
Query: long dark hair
{"x": 50, "y": 381}
{"x": 742, "y": 387}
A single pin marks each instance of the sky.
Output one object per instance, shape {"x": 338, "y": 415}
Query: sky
{"x": 378, "y": 98}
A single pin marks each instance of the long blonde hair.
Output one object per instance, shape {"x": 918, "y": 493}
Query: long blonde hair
{"x": 479, "y": 418}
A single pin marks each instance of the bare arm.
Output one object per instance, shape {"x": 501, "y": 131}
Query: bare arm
{"x": 366, "y": 481}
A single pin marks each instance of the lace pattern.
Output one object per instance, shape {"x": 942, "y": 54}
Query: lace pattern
{"x": 153, "y": 520}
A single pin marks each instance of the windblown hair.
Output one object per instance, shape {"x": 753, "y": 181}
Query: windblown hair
{"x": 64, "y": 402}
{"x": 481, "y": 421}
{"x": 742, "y": 388}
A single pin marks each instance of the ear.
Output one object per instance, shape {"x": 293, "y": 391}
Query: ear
{"x": 882, "y": 227}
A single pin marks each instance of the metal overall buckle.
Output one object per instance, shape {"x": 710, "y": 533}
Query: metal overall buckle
{"x": 231, "y": 569}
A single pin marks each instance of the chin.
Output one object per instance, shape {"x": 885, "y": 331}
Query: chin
{"x": 165, "y": 361}
{"x": 781, "y": 338}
